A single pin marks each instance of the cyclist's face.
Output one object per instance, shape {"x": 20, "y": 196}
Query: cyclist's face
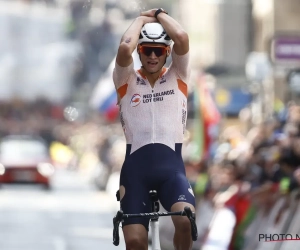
{"x": 153, "y": 57}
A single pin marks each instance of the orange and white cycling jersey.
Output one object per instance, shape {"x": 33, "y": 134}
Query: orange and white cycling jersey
{"x": 153, "y": 115}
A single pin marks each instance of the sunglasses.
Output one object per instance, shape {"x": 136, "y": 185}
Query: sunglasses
{"x": 158, "y": 50}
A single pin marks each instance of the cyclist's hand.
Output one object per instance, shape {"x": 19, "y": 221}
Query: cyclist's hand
{"x": 149, "y": 13}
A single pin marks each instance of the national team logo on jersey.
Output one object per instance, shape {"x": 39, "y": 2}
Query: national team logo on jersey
{"x": 135, "y": 100}
{"x": 140, "y": 81}
{"x": 162, "y": 80}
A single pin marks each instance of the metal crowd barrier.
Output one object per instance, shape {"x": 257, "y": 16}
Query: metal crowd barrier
{"x": 263, "y": 233}
{"x": 277, "y": 236}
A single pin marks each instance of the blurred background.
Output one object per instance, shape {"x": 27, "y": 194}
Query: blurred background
{"x": 62, "y": 147}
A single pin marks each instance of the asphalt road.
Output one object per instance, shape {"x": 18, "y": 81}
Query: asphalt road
{"x": 71, "y": 216}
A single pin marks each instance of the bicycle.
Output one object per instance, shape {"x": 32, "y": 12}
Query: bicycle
{"x": 154, "y": 223}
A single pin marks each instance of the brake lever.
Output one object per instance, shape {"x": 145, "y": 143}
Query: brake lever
{"x": 116, "y": 221}
{"x": 192, "y": 217}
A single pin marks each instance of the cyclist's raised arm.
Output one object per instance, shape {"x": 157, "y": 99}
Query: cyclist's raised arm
{"x": 130, "y": 39}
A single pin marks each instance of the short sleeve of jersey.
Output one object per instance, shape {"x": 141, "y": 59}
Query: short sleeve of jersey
{"x": 181, "y": 65}
{"x": 122, "y": 74}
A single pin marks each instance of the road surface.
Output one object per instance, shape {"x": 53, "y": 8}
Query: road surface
{"x": 71, "y": 216}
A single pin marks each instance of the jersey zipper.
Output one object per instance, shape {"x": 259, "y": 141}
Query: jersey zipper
{"x": 152, "y": 107}
{"x": 153, "y": 115}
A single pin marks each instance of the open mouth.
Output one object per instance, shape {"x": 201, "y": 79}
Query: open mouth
{"x": 152, "y": 63}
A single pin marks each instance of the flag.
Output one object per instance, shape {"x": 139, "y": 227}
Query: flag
{"x": 245, "y": 213}
{"x": 104, "y": 97}
{"x": 198, "y": 140}
{"x": 206, "y": 116}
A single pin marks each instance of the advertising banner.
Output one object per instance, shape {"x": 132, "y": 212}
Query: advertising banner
{"x": 286, "y": 49}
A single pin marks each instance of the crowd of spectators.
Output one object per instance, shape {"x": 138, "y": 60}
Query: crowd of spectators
{"x": 36, "y": 118}
{"x": 251, "y": 171}
{"x": 69, "y": 140}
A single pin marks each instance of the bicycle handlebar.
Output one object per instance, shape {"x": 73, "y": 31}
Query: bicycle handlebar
{"x": 116, "y": 221}
{"x": 192, "y": 217}
{"x": 120, "y": 216}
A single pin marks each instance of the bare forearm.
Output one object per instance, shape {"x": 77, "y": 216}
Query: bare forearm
{"x": 131, "y": 35}
{"x": 130, "y": 39}
{"x": 172, "y": 27}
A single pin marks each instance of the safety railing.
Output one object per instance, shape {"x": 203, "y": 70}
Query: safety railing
{"x": 272, "y": 228}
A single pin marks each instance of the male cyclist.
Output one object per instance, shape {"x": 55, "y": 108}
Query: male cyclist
{"x": 153, "y": 111}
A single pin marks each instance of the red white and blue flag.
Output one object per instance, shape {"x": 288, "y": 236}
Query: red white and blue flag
{"x": 104, "y": 97}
